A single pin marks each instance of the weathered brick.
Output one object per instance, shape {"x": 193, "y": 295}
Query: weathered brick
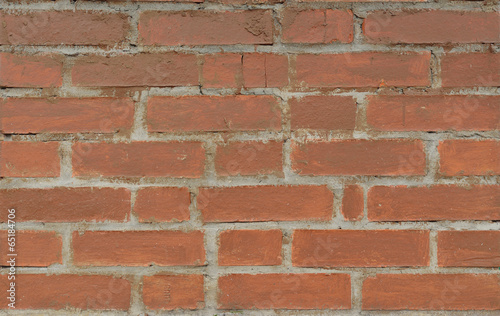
{"x": 250, "y": 247}
{"x": 63, "y": 27}
{"x": 469, "y": 248}
{"x": 359, "y": 157}
{"x": 139, "y": 159}
{"x": 431, "y": 292}
{"x": 285, "y": 291}
{"x": 265, "y": 203}
{"x": 138, "y": 248}
{"x": 432, "y": 26}
{"x": 156, "y": 70}
{"x": 31, "y": 248}
{"x": 469, "y": 157}
{"x": 437, "y": 202}
{"x": 353, "y": 204}
{"x": 66, "y": 204}
{"x": 66, "y": 115}
{"x": 434, "y": 113}
{"x": 206, "y": 27}
{"x": 470, "y": 70}
{"x": 317, "y": 26}
{"x": 367, "y": 69}
{"x": 23, "y": 71}
{"x": 87, "y": 292}
{"x": 323, "y": 113}
{"x": 213, "y": 113}
{"x": 169, "y": 292}
{"x": 29, "y": 159}
{"x": 160, "y": 204}
{"x": 359, "y": 248}
{"x": 249, "y": 158}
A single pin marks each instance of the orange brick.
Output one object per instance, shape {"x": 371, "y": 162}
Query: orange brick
{"x": 431, "y": 292}
{"x": 285, "y": 291}
{"x": 249, "y": 158}
{"x": 469, "y": 248}
{"x": 29, "y": 159}
{"x": 265, "y": 203}
{"x": 138, "y": 248}
{"x": 160, "y": 204}
{"x": 359, "y": 248}
{"x": 469, "y": 157}
{"x": 32, "y": 248}
{"x": 250, "y": 247}
{"x": 169, "y": 292}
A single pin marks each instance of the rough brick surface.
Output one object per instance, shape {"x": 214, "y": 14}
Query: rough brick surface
{"x": 87, "y": 292}
{"x": 26, "y": 159}
{"x": 169, "y": 292}
{"x": 289, "y": 291}
{"x": 340, "y": 248}
{"x": 253, "y": 157}
{"x": 136, "y": 248}
{"x": 250, "y": 248}
{"x": 35, "y": 248}
{"x": 63, "y": 27}
{"x": 266, "y": 203}
{"x": 431, "y": 292}
{"x": 359, "y": 157}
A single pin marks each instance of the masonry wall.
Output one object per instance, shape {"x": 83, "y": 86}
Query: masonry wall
{"x": 256, "y": 157}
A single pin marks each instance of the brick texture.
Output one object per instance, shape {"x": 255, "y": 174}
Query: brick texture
{"x": 254, "y": 157}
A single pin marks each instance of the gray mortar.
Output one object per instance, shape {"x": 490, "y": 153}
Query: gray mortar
{"x": 335, "y": 183}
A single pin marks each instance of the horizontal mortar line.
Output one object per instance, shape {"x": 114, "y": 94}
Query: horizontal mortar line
{"x": 41, "y": 183}
{"x": 147, "y": 6}
{"x": 300, "y": 136}
{"x": 336, "y": 224}
{"x": 222, "y": 270}
{"x": 123, "y": 48}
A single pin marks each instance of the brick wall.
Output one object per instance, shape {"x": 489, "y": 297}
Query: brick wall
{"x": 204, "y": 157}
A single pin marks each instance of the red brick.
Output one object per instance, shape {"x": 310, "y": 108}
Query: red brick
{"x": 359, "y": 248}
{"x": 469, "y": 157}
{"x": 161, "y": 70}
{"x": 21, "y": 71}
{"x": 139, "y": 159}
{"x": 28, "y": 159}
{"x": 249, "y": 158}
{"x": 213, "y": 113}
{"x": 66, "y": 204}
{"x": 285, "y": 291}
{"x": 359, "y": 157}
{"x": 469, "y": 248}
{"x": 160, "y": 204}
{"x": 367, "y": 69}
{"x": 66, "y": 115}
{"x": 434, "y": 113}
{"x": 206, "y": 27}
{"x": 317, "y": 26}
{"x": 434, "y": 26}
{"x": 32, "y": 248}
{"x": 353, "y": 204}
{"x": 63, "y": 27}
{"x": 431, "y": 292}
{"x": 470, "y": 70}
{"x": 88, "y": 292}
{"x": 223, "y": 71}
{"x": 438, "y": 202}
{"x": 169, "y": 292}
{"x": 250, "y": 247}
{"x": 265, "y": 70}
{"x": 138, "y": 248}
{"x": 323, "y": 113}
{"x": 265, "y": 203}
